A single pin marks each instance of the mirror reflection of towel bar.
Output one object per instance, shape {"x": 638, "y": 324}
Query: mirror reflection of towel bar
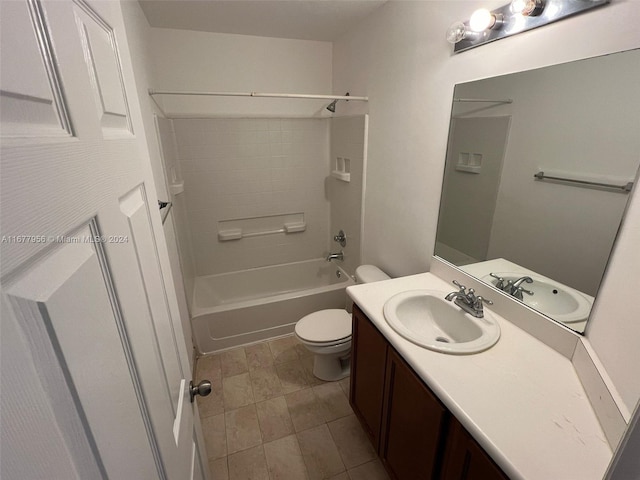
{"x": 625, "y": 188}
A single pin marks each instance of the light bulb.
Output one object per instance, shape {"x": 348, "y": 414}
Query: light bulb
{"x": 481, "y": 20}
{"x": 456, "y": 32}
{"x": 527, "y": 8}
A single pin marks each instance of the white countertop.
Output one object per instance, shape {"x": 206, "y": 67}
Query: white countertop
{"x": 521, "y": 400}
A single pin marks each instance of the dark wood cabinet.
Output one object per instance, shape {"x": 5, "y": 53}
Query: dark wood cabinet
{"x": 413, "y": 424}
{"x": 415, "y": 435}
{"x": 368, "y": 364}
{"x": 465, "y": 459}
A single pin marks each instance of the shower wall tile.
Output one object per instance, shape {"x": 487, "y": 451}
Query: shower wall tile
{"x": 348, "y": 141}
{"x": 245, "y": 168}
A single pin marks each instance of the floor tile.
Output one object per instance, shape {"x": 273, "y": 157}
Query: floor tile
{"x": 307, "y": 363}
{"x": 352, "y": 442}
{"x": 301, "y": 349}
{"x": 268, "y": 417}
{"x": 213, "y": 403}
{"x": 237, "y": 391}
{"x": 275, "y": 421}
{"x": 259, "y": 356}
{"x": 292, "y": 376}
{"x": 218, "y": 468}
{"x": 320, "y": 453}
{"x": 334, "y": 403}
{"x": 284, "y": 459}
{"x": 242, "y": 428}
{"x": 369, "y": 471}
{"x": 248, "y": 464}
{"x": 341, "y": 476}
{"x": 305, "y": 409}
{"x": 233, "y": 362}
{"x": 345, "y": 384}
{"x": 266, "y": 384}
{"x": 283, "y": 349}
{"x": 213, "y": 429}
{"x": 208, "y": 368}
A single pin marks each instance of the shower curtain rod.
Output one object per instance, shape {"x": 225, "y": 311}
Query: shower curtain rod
{"x": 483, "y": 100}
{"x": 257, "y": 94}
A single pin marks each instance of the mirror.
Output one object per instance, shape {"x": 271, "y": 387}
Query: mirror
{"x": 543, "y": 238}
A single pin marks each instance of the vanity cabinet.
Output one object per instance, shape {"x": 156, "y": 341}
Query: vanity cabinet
{"x": 412, "y": 423}
{"x": 368, "y": 366}
{"x": 465, "y": 459}
{"x": 415, "y": 435}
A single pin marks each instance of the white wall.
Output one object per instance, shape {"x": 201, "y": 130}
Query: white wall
{"x": 253, "y": 173}
{"x": 177, "y": 223}
{"x": 398, "y": 57}
{"x": 202, "y": 61}
{"x": 348, "y": 137}
{"x": 168, "y": 59}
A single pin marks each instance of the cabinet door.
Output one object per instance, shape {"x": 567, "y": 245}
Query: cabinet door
{"x": 413, "y": 420}
{"x": 465, "y": 458}
{"x": 368, "y": 361}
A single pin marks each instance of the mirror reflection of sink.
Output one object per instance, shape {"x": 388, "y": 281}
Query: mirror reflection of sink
{"x": 425, "y": 318}
{"x": 553, "y": 299}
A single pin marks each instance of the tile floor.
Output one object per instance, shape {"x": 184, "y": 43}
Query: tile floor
{"x": 269, "y": 418}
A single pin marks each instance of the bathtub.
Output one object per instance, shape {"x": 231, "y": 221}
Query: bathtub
{"x": 237, "y": 308}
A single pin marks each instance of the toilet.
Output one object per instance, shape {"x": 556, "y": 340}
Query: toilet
{"x": 327, "y": 333}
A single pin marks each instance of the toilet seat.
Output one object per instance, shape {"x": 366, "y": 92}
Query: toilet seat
{"x": 325, "y": 327}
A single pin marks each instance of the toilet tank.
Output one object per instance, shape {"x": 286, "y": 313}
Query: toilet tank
{"x": 370, "y": 273}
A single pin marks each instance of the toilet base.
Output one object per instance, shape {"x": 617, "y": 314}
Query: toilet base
{"x": 331, "y": 368}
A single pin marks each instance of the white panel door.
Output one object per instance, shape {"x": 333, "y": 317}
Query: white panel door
{"x": 93, "y": 356}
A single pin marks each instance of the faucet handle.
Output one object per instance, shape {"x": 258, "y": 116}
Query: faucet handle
{"x": 480, "y": 299}
{"x": 528, "y": 292}
{"x": 459, "y": 285}
{"x": 500, "y": 283}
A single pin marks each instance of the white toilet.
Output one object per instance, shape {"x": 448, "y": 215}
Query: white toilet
{"x": 327, "y": 333}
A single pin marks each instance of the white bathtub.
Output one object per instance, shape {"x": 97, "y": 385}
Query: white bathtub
{"x": 237, "y": 308}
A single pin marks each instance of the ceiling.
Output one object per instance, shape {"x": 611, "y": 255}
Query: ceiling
{"x": 322, "y": 20}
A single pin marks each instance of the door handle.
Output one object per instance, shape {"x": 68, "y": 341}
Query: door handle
{"x": 203, "y": 389}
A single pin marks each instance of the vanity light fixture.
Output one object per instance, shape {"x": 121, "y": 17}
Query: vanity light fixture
{"x": 456, "y": 32}
{"x": 518, "y": 16}
{"x": 527, "y": 8}
{"x": 482, "y": 19}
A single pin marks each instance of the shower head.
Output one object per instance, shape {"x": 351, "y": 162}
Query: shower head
{"x": 332, "y": 106}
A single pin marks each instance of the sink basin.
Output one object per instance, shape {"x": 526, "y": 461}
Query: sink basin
{"x": 425, "y": 318}
{"x": 553, "y": 299}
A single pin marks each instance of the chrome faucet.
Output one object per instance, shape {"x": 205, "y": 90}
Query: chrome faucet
{"x": 516, "y": 288}
{"x": 513, "y": 287}
{"x": 468, "y": 301}
{"x": 335, "y": 256}
{"x": 341, "y": 238}
{"x": 500, "y": 282}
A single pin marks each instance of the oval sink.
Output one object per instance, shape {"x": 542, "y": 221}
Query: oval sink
{"x": 425, "y": 318}
{"x": 553, "y": 299}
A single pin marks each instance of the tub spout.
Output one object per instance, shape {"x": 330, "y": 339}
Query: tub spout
{"x": 335, "y": 256}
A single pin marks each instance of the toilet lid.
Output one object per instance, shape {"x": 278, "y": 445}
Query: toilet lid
{"x": 325, "y": 326}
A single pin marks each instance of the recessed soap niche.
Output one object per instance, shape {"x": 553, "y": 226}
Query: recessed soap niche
{"x": 469, "y": 162}
{"x": 341, "y": 169}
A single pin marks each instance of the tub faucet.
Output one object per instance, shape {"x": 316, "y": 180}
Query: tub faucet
{"x": 467, "y": 300}
{"x": 336, "y": 256}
